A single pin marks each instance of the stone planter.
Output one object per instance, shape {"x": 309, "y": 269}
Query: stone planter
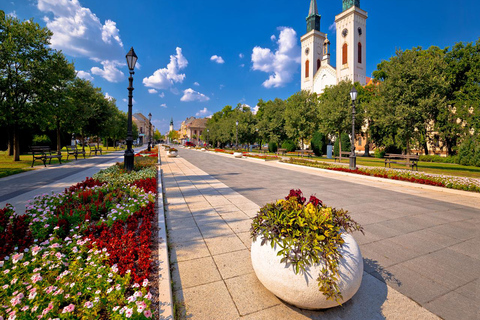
{"x": 203, "y": 149}
{"x": 172, "y": 154}
{"x": 301, "y": 289}
{"x": 238, "y": 154}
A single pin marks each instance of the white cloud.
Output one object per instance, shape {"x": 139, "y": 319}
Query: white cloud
{"x": 217, "y": 59}
{"x": 152, "y": 91}
{"x": 281, "y": 64}
{"x": 84, "y": 75}
{"x": 222, "y": 86}
{"x": 12, "y": 14}
{"x": 273, "y": 37}
{"x": 241, "y": 55}
{"x": 242, "y": 65}
{"x": 196, "y": 84}
{"x": 109, "y": 71}
{"x": 109, "y": 97}
{"x": 165, "y": 78}
{"x": 164, "y": 105}
{"x": 333, "y": 27}
{"x": 192, "y": 95}
{"x": 203, "y": 113}
{"x": 255, "y": 109}
{"x": 77, "y": 31}
{"x": 162, "y": 95}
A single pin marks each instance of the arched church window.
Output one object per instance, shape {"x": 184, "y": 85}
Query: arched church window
{"x": 359, "y": 52}
{"x": 318, "y": 64}
{"x": 307, "y": 67}
{"x": 344, "y": 53}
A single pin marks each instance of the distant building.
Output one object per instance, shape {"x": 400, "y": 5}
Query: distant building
{"x": 143, "y": 125}
{"x": 195, "y": 130}
{"x": 183, "y": 129}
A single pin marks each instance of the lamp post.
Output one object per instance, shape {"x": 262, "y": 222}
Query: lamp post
{"x": 128, "y": 158}
{"x": 208, "y": 130}
{"x": 353, "y": 158}
{"x": 236, "y": 135}
{"x": 149, "y": 132}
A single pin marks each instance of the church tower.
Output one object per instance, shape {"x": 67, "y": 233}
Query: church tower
{"x": 171, "y": 125}
{"x": 351, "y": 44}
{"x": 312, "y": 48}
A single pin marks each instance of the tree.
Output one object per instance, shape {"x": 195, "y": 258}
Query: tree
{"x": 173, "y": 135}
{"x": 157, "y": 136}
{"x": 24, "y": 62}
{"x": 412, "y": 89}
{"x": 55, "y": 101}
{"x": 301, "y": 116}
{"x": 271, "y": 120}
{"x": 335, "y": 110}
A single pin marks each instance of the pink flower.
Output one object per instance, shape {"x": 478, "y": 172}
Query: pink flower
{"x": 25, "y": 308}
{"x": 68, "y": 308}
{"x": 145, "y": 283}
{"x": 129, "y": 312}
{"x": 15, "y": 301}
{"x": 17, "y": 257}
{"x": 88, "y": 304}
{"x": 36, "y": 250}
{"x": 149, "y": 296}
{"x": 147, "y": 313}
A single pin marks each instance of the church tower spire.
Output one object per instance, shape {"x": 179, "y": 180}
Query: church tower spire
{"x": 313, "y": 19}
{"x": 347, "y": 4}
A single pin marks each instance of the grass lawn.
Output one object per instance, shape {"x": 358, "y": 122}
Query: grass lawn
{"x": 449, "y": 169}
{"x": 9, "y": 167}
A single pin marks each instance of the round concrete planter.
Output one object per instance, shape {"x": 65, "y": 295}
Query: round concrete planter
{"x": 172, "y": 154}
{"x": 301, "y": 289}
{"x": 203, "y": 149}
{"x": 238, "y": 154}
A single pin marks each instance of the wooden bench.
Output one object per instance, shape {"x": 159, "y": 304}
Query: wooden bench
{"x": 43, "y": 153}
{"x": 281, "y": 152}
{"x": 94, "y": 148}
{"x": 74, "y": 151}
{"x": 309, "y": 153}
{"x": 264, "y": 150}
{"x": 343, "y": 154}
{"x": 409, "y": 160}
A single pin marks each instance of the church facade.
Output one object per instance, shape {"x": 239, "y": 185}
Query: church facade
{"x": 317, "y": 71}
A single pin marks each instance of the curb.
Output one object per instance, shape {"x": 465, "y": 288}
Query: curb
{"x": 164, "y": 288}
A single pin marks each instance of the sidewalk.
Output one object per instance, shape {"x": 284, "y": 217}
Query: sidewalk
{"x": 208, "y": 226}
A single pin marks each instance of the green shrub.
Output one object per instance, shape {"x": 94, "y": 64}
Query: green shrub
{"x": 289, "y": 145}
{"x": 41, "y": 140}
{"x": 346, "y": 145}
{"x": 319, "y": 143}
{"x": 379, "y": 153}
{"x": 272, "y": 147}
{"x": 466, "y": 152}
{"x": 439, "y": 159}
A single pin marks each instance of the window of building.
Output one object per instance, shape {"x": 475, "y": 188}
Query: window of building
{"x": 318, "y": 64}
{"x": 344, "y": 53}
{"x": 307, "y": 67}
{"x": 359, "y": 52}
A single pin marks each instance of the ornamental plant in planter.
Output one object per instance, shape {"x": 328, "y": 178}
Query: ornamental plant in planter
{"x": 303, "y": 252}
{"x": 172, "y": 152}
{"x": 238, "y": 154}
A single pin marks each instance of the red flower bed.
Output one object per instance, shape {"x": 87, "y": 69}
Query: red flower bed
{"x": 148, "y": 184}
{"x": 127, "y": 242}
{"x": 88, "y": 183}
{"x": 14, "y": 232}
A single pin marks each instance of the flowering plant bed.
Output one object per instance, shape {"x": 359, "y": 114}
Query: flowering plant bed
{"x": 262, "y": 157}
{"x": 83, "y": 253}
{"x": 306, "y": 233}
{"x": 459, "y": 183}
{"x": 223, "y": 151}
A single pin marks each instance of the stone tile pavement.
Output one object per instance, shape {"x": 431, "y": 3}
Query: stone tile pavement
{"x": 208, "y": 228}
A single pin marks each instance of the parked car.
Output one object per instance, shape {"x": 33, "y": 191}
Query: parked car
{"x": 189, "y": 144}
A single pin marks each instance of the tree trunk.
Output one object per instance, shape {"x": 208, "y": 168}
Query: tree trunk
{"x": 425, "y": 148}
{"x": 59, "y": 140}
{"x": 16, "y": 143}
{"x": 340, "y": 144}
{"x": 10, "y": 141}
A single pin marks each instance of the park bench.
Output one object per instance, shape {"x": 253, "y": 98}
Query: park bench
{"x": 74, "y": 151}
{"x": 264, "y": 149}
{"x": 281, "y": 151}
{"x": 308, "y": 153}
{"x": 409, "y": 160}
{"x": 94, "y": 148}
{"x": 43, "y": 153}
{"x": 343, "y": 154}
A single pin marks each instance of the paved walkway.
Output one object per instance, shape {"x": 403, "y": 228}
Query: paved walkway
{"x": 417, "y": 249}
{"x": 18, "y": 189}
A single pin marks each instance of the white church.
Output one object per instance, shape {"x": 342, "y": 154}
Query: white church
{"x": 317, "y": 72}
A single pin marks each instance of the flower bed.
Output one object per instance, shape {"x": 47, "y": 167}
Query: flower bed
{"x": 223, "y": 151}
{"x": 460, "y": 183}
{"x": 83, "y": 253}
{"x": 262, "y": 157}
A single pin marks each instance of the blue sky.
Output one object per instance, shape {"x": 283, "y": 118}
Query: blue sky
{"x": 195, "y": 57}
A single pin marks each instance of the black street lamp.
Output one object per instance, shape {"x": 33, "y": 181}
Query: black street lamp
{"x": 149, "y": 132}
{"x": 236, "y": 135}
{"x": 208, "y": 130}
{"x": 353, "y": 158}
{"x": 129, "y": 154}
